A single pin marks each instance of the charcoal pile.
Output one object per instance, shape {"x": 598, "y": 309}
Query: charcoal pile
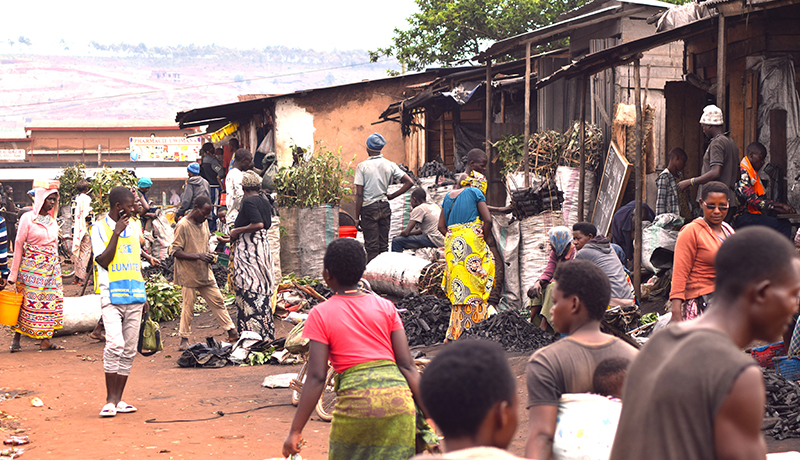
{"x": 425, "y": 318}
{"x": 783, "y": 408}
{"x": 220, "y": 274}
{"x": 530, "y": 202}
{"x": 435, "y": 168}
{"x": 165, "y": 268}
{"x": 512, "y": 331}
{"x": 321, "y": 289}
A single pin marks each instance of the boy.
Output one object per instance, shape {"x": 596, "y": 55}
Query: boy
{"x": 471, "y": 395}
{"x": 580, "y": 299}
{"x": 609, "y": 377}
{"x": 117, "y": 252}
{"x": 426, "y": 215}
{"x": 372, "y": 179}
{"x": 667, "y": 183}
{"x": 599, "y": 250}
{"x": 691, "y": 393}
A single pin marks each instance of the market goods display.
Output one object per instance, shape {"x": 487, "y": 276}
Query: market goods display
{"x": 782, "y": 407}
{"x": 511, "y": 331}
{"x": 541, "y": 196}
{"x": 435, "y": 168}
{"x": 425, "y": 318}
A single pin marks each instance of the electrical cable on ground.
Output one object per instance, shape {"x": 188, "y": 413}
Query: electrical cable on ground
{"x": 219, "y": 414}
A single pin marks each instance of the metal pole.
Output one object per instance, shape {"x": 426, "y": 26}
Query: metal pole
{"x": 582, "y": 180}
{"x": 637, "y": 243}
{"x": 722, "y": 48}
{"x": 526, "y": 147}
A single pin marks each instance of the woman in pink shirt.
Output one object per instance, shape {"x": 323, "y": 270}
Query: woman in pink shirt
{"x": 363, "y": 337}
{"x": 36, "y": 267}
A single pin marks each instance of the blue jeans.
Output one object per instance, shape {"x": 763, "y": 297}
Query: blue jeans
{"x": 411, "y": 242}
{"x": 781, "y": 225}
{"x": 214, "y": 190}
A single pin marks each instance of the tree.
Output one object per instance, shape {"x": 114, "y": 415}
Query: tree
{"x": 450, "y": 32}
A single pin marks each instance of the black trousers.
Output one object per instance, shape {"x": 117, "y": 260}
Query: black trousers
{"x": 375, "y": 221}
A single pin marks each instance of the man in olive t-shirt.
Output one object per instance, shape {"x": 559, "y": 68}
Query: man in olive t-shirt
{"x": 581, "y": 295}
{"x": 692, "y": 393}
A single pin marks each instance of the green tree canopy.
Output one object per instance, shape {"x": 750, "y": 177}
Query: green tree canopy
{"x": 448, "y": 32}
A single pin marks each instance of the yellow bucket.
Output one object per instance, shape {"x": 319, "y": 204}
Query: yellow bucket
{"x": 10, "y": 303}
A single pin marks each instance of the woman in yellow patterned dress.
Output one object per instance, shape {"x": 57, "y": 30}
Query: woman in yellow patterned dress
{"x": 467, "y": 225}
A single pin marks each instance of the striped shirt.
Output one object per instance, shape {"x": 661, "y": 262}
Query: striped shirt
{"x": 4, "y": 270}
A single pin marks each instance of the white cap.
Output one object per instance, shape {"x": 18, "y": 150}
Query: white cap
{"x": 712, "y": 115}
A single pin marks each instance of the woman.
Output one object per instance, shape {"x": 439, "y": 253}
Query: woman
{"x": 467, "y": 225}
{"x": 36, "y": 267}
{"x": 693, "y": 271}
{"x": 252, "y": 272}
{"x": 362, "y": 336}
{"x": 81, "y": 242}
{"x": 541, "y": 293}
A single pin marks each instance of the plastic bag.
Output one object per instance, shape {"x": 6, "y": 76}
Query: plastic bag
{"x": 395, "y": 273}
{"x": 295, "y": 342}
{"x": 659, "y": 235}
{"x": 585, "y": 427}
{"x": 210, "y": 354}
{"x": 506, "y": 234}
{"x": 149, "y": 337}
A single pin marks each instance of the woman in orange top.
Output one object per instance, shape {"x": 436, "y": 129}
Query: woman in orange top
{"x": 693, "y": 271}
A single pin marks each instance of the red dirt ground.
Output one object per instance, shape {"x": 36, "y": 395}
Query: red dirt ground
{"x": 70, "y": 383}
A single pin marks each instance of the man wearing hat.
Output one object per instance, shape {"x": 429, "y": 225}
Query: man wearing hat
{"x": 195, "y": 186}
{"x": 721, "y": 160}
{"x": 373, "y": 177}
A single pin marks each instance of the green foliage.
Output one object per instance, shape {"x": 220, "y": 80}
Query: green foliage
{"x": 302, "y": 281}
{"x": 102, "y": 183}
{"x": 164, "y": 297}
{"x": 453, "y": 31}
{"x": 321, "y": 179}
{"x": 257, "y": 358}
{"x": 67, "y": 179}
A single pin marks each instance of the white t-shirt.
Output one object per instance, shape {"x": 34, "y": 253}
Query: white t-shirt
{"x": 375, "y": 175}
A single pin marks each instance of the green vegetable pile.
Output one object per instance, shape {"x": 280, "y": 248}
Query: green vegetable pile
{"x": 649, "y": 318}
{"x": 258, "y": 358}
{"x": 321, "y": 179}
{"x": 164, "y": 297}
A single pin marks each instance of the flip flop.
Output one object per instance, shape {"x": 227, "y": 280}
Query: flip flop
{"x": 15, "y": 348}
{"x": 51, "y": 347}
{"x": 125, "y": 408}
{"x": 109, "y": 410}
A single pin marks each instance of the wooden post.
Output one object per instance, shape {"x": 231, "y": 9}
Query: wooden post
{"x": 637, "y": 243}
{"x": 777, "y": 150}
{"x": 722, "y": 48}
{"x": 441, "y": 138}
{"x": 526, "y": 148}
{"x": 582, "y": 176}
{"x": 489, "y": 108}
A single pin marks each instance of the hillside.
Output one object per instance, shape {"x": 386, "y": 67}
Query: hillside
{"x": 135, "y": 82}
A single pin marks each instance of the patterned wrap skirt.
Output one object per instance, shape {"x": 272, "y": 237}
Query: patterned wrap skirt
{"x": 469, "y": 277}
{"x": 375, "y": 416}
{"x": 42, "y": 309}
{"x": 254, "y": 284}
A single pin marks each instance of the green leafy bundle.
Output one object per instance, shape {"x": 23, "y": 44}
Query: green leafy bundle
{"x": 164, "y": 297}
{"x": 102, "y": 183}
{"x": 320, "y": 179}
{"x": 69, "y": 176}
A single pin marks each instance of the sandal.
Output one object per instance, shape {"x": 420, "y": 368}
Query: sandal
{"x": 51, "y": 347}
{"x": 15, "y": 348}
{"x": 125, "y": 408}
{"x": 109, "y": 410}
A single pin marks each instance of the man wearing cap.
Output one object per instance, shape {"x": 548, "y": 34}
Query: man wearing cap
{"x": 373, "y": 177}
{"x": 195, "y": 186}
{"x": 721, "y": 160}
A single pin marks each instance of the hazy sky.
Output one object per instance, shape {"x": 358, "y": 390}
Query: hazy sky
{"x": 309, "y": 24}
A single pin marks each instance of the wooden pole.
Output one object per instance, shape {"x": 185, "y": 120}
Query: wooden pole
{"x": 722, "y": 48}
{"x": 637, "y": 243}
{"x": 526, "y": 149}
{"x": 582, "y": 177}
{"x": 489, "y": 108}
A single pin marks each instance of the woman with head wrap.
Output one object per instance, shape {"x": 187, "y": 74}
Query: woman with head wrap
{"x": 467, "y": 225}
{"x": 253, "y": 280}
{"x": 541, "y": 295}
{"x": 37, "y": 272}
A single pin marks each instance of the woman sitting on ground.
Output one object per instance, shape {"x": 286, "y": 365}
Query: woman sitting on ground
{"x": 693, "y": 273}
{"x": 467, "y": 225}
{"x": 541, "y": 293}
{"x": 362, "y": 336}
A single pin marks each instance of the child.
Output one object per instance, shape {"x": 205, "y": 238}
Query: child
{"x": 609, "y": 377}
{"x": 471, "y": 394}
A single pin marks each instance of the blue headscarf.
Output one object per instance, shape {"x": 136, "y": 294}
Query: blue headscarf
{"x": 560, "y": 238}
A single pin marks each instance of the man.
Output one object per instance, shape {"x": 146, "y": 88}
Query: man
{"x": 242, "y": 161}
{"x": 422, "y": 230}
{"x": 691, "y": 393}
{"x": 195, "y": 186}
{"x": 213, "y": 172}
{"x": 11, "y": 217}
{"x": 623, "y": 226}
{"x": 116, "y": 247}
{"x": 580, "y": 299}
{"x": 597, "y": 249}
{"x": 756, "y": 208}
{"x": 470, "y": 393}
{"x": 233, "y": 146}
{"x": 373, "y": 177}
{"x": 721, "y": 157}
{"x": 193, "y": 271}
{"x": 667, "y": 198}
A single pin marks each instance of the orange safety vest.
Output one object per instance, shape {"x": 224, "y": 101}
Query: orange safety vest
{"x": 757, "y": 186}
